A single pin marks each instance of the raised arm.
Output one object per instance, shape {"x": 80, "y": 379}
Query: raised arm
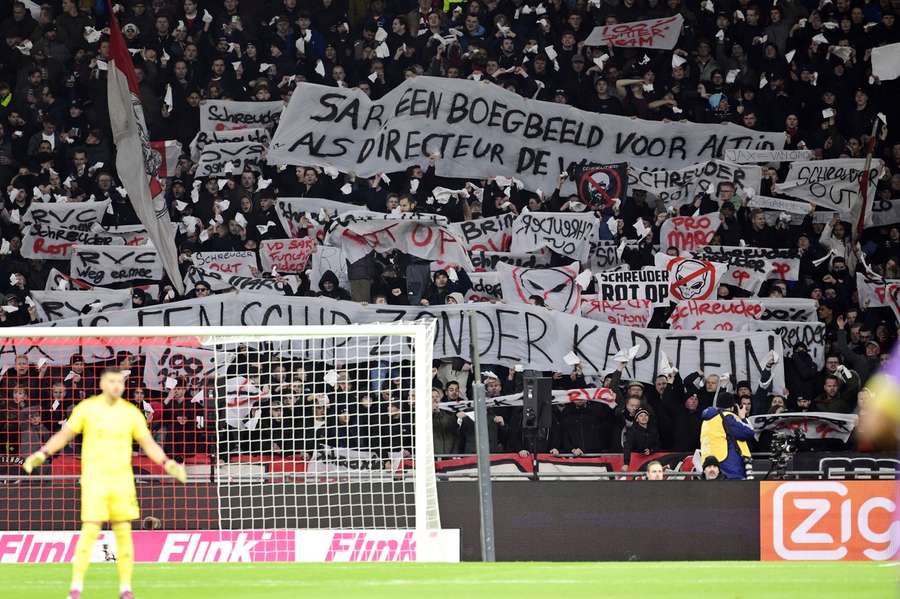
{"x": 55, "y": 443}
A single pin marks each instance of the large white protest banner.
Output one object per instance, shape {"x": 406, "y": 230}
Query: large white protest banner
{"x": 879, "y": 294}
{"x": 286, "y": 255}
{"x": 750, "y": 156}
{"x": 290, "y": 211}
{"x": 217, "y": 281}
{"x": 732, "y": 315}
{"x": 811, "y": 334}
{"x": 687, "y": 233}
{"x": 630, "y": 313}
{"x": 659, "y": 34}
{"x": 556, "y": 286}
{"x": 56, "y": 305}
{"x": 485, "y": 287}
{"x": 203, "y": 138}
{"x": 886, "y": 61}
{"x": 228, "y": 263}
{"x": 569, "y": 235}
{"x": 488, "y": 261}
{"x": 104, "y": 265}
{"x": 832, "y": 184}
{"x": 747, "y": 262}
{"x": 690, "y": 278}
{"x": 222, "y": 115}
{"x": 229, "y": 157}
{"x": 168, "y": 366}
{"x": 492, "y": 234}
{"x": 80, "y": 216}
{"x": 52, "y": 243}
{"x": 781, "y": 204}
{"x": 427, "y": 236}
{"x": 883, "y": 212}
{"x": 650, "y": 284}
{"x": 508, "y": 334}
{"x": 603, "y": 395}
{"x": 482, "y": 130}
{"x": 680, "y": 186}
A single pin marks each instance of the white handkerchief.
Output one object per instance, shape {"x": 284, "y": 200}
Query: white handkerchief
{"x": 677, "y": 60}
{"x": 171, "y": 383}
{"x": 571, "y": 359}
{"x": 346, "y": 188}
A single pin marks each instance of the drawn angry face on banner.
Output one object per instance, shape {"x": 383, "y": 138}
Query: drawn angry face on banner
{"x": 556, "y": 286}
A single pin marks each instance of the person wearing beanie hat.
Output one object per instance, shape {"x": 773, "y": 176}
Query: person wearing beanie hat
{"x": 711, "y": 470}
{"x": 642, "y": 437}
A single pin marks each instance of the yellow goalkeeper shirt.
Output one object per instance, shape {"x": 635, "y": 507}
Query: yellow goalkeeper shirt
{"x": 108, "y": 431}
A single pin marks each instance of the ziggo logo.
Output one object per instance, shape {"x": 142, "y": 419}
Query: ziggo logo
{"x": 829, "y": 520}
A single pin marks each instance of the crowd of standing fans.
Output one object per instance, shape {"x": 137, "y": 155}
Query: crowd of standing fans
{"x": 758, "y": 64}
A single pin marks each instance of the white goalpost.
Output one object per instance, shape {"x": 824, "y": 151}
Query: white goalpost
{"x": 316, "y": 441}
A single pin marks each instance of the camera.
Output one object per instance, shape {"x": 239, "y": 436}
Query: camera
{"x": 782, "y": 449}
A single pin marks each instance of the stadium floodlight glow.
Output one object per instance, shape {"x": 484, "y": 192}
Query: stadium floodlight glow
{"x": 310, "y": 443}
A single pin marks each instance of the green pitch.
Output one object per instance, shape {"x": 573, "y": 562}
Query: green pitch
{"x": 634, "y": 580}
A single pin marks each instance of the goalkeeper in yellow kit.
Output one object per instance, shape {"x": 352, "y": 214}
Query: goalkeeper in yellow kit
{"x": 108, "y": 425}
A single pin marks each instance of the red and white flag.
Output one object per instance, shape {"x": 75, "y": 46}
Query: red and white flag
{"x": 137, "y": 162}
{"x": 169, "y": 151}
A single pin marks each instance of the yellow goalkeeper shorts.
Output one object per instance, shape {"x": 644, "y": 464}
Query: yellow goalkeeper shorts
{"x": 109, "y": 503}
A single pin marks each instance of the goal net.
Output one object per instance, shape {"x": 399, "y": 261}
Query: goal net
{"x": 299, "y": 429}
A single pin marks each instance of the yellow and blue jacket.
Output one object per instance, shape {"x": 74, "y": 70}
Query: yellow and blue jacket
{"x": 724, "y": 436}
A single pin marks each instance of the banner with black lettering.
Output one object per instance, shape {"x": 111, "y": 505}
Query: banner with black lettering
{"x": 686, "y": 233}
{"x": 658, "y": 34}
{"x": 780, "y": 204}
{"x": 629, "y": 313}
{"x": 57, "y": 305}
{"x": 482, "y": 130}
{"x": 814, "y": 425}
{"x": 241, "y": 263}
{"x": 691, "y": 279}
{"x": 223, "y": 115}
{"x": 204, "y": 138}
{"x": 601, "y": 185}
{"x": 508, "y": 334}
{"x": 52, "y": 243}
{"x": 751, "y": 156}
{"x": 556, "y": 286}
{"x": 832, "y": 184}
{"x": 772, "y": 263}
{"x": 426, "y": 236}
{"x": 230, "y": 157}
{"x": 57, "y": 281}
{"x": 485, "y": 287}
{"x": 488, "y": 261}
{"x": 492, "y": 234}
{"x": 679, "y": 186}
{"x": 569, "y": 235}
{"x": 811, "y": 334}
{"x": 167, "y": 366}
{"x": 650, "y": 284}
{"x": 604, "y": 255}
{"x": 286, "y": 255}
{"x": 291, "y": 210}
{"x": 603, "y": 395}
{"x": 882, "y": 213}
{"x": 107, "y": 265}
{"x": 280, "y": 285}
{"x": 79, "y": 216}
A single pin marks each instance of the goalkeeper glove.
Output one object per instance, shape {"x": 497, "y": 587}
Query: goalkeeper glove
{"x": 176, "y": 471}
{"x": 34, "y": 461}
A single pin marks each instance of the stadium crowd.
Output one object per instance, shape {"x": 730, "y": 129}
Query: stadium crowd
{"x": 757, "y": 64}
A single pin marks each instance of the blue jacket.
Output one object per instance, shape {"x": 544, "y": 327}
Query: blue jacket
{"x": 724, "y": 436}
